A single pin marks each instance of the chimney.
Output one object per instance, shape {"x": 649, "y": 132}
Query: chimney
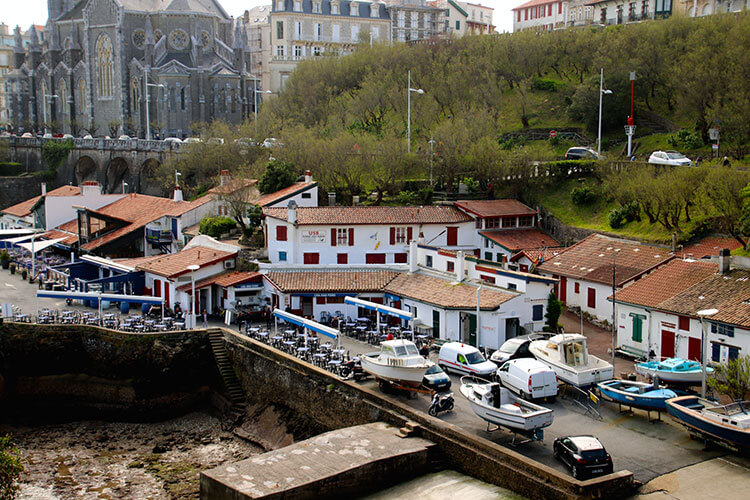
{"x": 331, "y": 199}
{"x": 420, "y": 239}
{"x": 44, "y": 188}
{"x": 355, "y": 200}
{"x": 308, "y": 176}
{"x": 292, "y": 216}
{"x": 723, "y": 261}
{"x": 177, "y": 194}
{"x": 225, "y": 177}
{"x": 460, "y": 265}
{"x": 90, "y": 188}
{"x": 413, "y": 257}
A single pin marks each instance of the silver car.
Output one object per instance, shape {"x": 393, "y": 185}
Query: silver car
{"x": 673, "y": 158}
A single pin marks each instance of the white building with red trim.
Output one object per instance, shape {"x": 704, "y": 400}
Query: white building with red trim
{"x": 540, "y": 15}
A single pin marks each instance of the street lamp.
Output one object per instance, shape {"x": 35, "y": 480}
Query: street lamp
{"x": 124, "y": 185}
{"x": 255, "y": 104}
{"x": 148, "y": 117}
{"x": 432, "y": 143}
{"x": 176, "y": 178}
{"x": 602, "y": 91}
{"x": 192, "y": 268}
{"x": 51, "y": 96}
{"x": 408, "y": 112}
{"x": 704, "y": 313}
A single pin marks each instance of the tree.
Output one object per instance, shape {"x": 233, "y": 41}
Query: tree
{"x": 11, "y": 468}
{"x": 554, "y": 310}
{"x": 732, "y": 378}
{"x": 278, "y": 175}
{"x": 114, "y": 128}
{"x": 723, "y": 186}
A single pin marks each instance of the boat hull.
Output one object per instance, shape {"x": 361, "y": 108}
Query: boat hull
{"x": 655, "y": 400}
{"x": 669, "y": 376}
{"x": 514, "y": 422}
{"x": 583, "y": 377}
{"x": 409, "y": 375}
{"x": 695, "y": 422}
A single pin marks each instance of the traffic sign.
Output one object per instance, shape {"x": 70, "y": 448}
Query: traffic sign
{"x": 552, "y": 133}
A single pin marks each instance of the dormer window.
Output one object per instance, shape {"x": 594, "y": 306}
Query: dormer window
{"x": 316, "y": 8}
{"x": 334, "y": 7}
{"x": 280, "y": 5}
{"x": 354, "y": 9}
{"x": 374, "y": 10}
{"x": 297, "y": 5}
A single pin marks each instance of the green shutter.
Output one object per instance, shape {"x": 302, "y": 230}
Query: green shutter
{"x": 637, "y": 329}
{"x": 436, "y": 324}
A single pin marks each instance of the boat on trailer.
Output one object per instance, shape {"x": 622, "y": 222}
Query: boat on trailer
{"x": 642, "y": 395}
{"x": 676, "y": 370}
{"x": 727, "y": 425}
{"x": 500, "y": 407}
{"x": 397, "y": 362}
{"x": 567, "y": 354}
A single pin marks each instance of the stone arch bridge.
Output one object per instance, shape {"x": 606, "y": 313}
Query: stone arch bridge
{"x": 108, "y": 161}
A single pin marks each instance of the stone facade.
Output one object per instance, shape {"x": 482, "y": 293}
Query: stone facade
{"x": 101, "y": 57}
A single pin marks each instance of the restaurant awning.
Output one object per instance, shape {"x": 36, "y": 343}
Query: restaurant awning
{"x": 112, "y": 297}
{"x": 39, "y": 245}
{"x": 382, "y": 309}
{"x": 306, "y": 323}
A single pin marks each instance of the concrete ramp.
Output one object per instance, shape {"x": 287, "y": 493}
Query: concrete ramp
{"x": 342, "y": 463}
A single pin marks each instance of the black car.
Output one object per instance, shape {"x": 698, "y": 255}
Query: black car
{"x": 436, "y": 379}
{"x": 585, "y": 455}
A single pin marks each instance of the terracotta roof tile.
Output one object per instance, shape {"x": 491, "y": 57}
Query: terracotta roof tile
{"x": 235, "y": 185}
{"x": 710, "y": 246}
{"x": 175, "y": 264}
{"x": 227, "y": 279}
{"x": 591, "y": 259}
{"x": 330, "y": 281}
{"x": 271, "y": 198}
{"x": 494, "y": 208}
{"x": 372, "y": 215}
{"x": 518, "y": 239}
{"x": 136, "y": 261}
{"x": 535, "y": 253}
{"x": 444, "y": 293}
{"x": 54, "y": 234}
{"x": 24, "y": 208}
{"x": 666, "y": 282}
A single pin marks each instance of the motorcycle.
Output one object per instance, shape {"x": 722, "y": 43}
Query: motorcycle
{"x": 440, "y": 402}
{"x": 353, "y": 368}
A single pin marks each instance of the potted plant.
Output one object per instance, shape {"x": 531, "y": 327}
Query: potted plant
{"x": 13, "y": 268}
{"x": 24, "y": 273}
{"x": 5, "y": 259}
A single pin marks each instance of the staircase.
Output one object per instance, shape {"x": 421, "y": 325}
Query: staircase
{"x": 231, "y": 383}
{"x": 409, "y": 429}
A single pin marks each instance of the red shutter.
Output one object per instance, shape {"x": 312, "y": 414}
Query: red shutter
{"x": 408, "y": 235}
{"x": 157, "y": 288}
{"x": 452, "y": 236}
{"x": 280, "y": 233}
{"x": 559, "y": 8}
{"x": 333, "y": 236}
{"x": 351, "y": 236}
{"x": 592, "y": 298}
{"x": 393, "y": 236}
{"x": 342, "y": 258}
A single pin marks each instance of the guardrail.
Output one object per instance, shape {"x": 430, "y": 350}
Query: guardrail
{"x": 99, "y": 143}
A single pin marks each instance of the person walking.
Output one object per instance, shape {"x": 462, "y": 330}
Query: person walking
{"x": 268, "y": 316}
{"x": 204, "y": 314}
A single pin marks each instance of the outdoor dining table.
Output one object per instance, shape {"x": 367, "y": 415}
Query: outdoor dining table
{"x": 262, "y": 335}
{"x": 338, "y": 352}
{"x": 139, "y": 328}
{"x": 179, "y": 325}
{"x": 160, "y": 326}
{"x": 290, "y": 332}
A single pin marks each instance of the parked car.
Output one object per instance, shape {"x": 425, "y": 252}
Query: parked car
{"x": 517, "y": 347}
{"x": 581, "y": 153}
{"x": 529, "y": 378}
{"x": 27, "y": 135}
{"x": 175, "y": 140}
{"x": 124, "y": 138}
{"x": 88, "y": 136}
{"x": 48, "y": 136}
{"x": 465, "y": 360}
{"x": 190, "y": 140}
{"x": 271, "y": 142}
{"x": 68, "y": 136}
{"x": 436, "y": 379}
{"x": 585, "y": 455}
{"x": 674, "y": 158}
{"x": 215, "y": 140}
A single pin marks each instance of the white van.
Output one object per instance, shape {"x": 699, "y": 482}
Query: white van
{"x": 528, "y": 378}
{"x": 464, "y": 360}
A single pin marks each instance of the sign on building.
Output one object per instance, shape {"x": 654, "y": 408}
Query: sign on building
{"x": 309, "y": 236}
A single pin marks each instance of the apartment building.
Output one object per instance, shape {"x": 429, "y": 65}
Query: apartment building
{"x": 415, "y": 20}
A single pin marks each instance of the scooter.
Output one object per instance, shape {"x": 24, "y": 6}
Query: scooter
{"x": 353, "y": 368}
{"x": 440, "y": 402}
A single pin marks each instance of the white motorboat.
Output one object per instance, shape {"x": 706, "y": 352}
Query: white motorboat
{"x": 569, "y": 357}
{"x": 497, "y": 405}
{"x": 397, "y": 361}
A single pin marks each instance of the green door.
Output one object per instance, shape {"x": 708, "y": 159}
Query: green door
{"x": 473, "y": 329}
{"x": 436, "y": 324}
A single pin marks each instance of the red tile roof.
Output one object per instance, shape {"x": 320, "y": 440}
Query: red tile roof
{"x": 138, "y": 210}
{"x": 224, "y": 280}
{"x": 54, "y": 234}
{"x": 330, "y": 281}
{"x": 372, "y": 215}
{"x": 494, "y": 208}
{"x": 535, "y": 253}
{"x": 175, "y": 264}
{"x": 534, "y": 3}
{"x": 24, "y": 208}
{"x": 710, "y": 246}
{"x": 666, "y": 282}
{"x": 136, "y": 261}
{"x": 444, "y": 293}
{"x": 287, "y": 192}
{"x": 591, "y": 260}
{"x": 518, "y": 239}
{"x": 233, "y": 186}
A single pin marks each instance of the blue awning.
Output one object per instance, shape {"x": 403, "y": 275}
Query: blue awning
{"x": 306, "y": 323}
{"x": 382, "y": 309}
{"x": 112, "y": 297}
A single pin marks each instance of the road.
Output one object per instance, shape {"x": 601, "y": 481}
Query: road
{"x": 646, "y": 449}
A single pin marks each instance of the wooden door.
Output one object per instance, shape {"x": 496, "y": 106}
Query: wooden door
{"x": 667, "y": 344}
{"x": 563, "y": 289}
{"x": 452, "y": 236}
{"x": 694, "y": 349}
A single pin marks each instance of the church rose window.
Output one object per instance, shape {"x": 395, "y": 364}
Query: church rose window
{"x": 139, "y": 38}
{"x": 205, "y": 38}
{"x": 178, "y": 39}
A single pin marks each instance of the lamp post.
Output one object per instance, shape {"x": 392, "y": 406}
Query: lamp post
{"x": 255, "y": 105}
{"x": 432, "y": 143}
{"x": 176, "y": 178}
{"x": 408, "y": 112}
{"x": 148, "y": 117}
{"x": 124, "y": 185}
{"x": 703, "y": 314}
{"x": 192, "y": 268}
{"x": 602, "y": 91}
{"x": 50, "y": 96}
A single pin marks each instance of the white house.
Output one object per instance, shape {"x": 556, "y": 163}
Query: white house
{"x": 540, "y": 15}
{"x": 361, "y": 235}
{"x": 585, "y": 270}
{"x": 657, "y": 315}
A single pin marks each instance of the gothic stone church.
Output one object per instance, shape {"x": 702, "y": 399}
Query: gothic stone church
{"x": 101, "y": 58}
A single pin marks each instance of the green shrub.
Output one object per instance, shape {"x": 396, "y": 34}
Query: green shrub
{"x": 617, "y": 217}
{"x": 690, "y": 140}
{"x": 407, "y": 198}
{"x": 583, "y": 195}
{"x": 632, "y": 211}
{"x": 278, "y": 175}
{"x": 11, "y": 467}
{"x": 562, "y": 167}
{"x": 216, "y": 226}
{"x": 4, "y": 256}
{"x": 54, "y": 153}
{"x": 544, "y": 84}
{"x": 425, "y": 195}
